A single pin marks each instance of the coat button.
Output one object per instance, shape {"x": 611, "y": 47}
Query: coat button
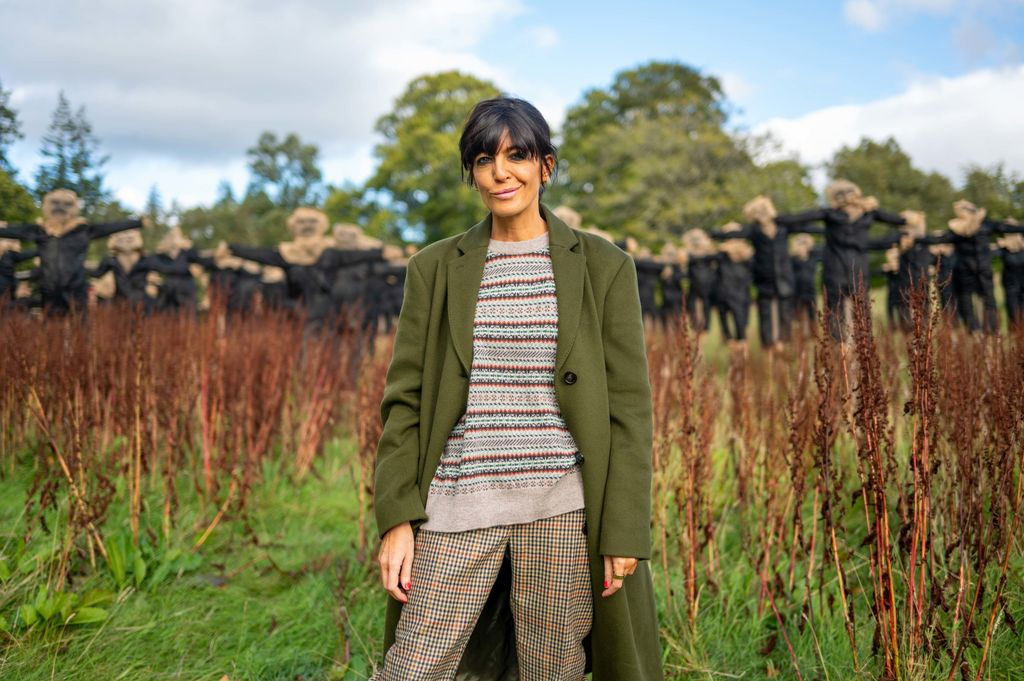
{"x": 569, "y": 377}
{"x": 579, "y": 458}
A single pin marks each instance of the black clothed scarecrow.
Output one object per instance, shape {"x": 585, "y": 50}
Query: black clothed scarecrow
{"x": 62, "y": 238}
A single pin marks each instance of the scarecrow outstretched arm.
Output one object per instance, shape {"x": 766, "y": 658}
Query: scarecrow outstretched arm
{"x": 100, "y": 230}
{"x": 22, "y": 256}
{"x": 23, "y": 232}
{"x": 96, "y": 272}
{"x": 336, "y": 258}
{"x": 260, "y": 254}
{"x": 814, "y": 215}
{"x": 744, "y": 232}
{"x": 887, "y": 218}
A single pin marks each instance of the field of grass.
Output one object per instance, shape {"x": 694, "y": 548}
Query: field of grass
{"x": 286, "y": 598}
{"x": 285, "y": 585}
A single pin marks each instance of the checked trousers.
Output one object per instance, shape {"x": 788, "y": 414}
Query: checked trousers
{"x": 452, "y": 575}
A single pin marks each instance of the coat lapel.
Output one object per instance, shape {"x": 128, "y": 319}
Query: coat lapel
{"x": 464, "y": 273}
{"x": 569, "y": 267}
{"x": 466, "y": 269}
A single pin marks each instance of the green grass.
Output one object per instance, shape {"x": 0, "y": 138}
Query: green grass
{"x": 274, "y": 610}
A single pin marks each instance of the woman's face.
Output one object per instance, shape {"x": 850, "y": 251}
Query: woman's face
{"x": 509, "y": 181}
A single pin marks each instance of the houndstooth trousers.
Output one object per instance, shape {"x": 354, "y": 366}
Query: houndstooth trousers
{"x": 452, "y": 575}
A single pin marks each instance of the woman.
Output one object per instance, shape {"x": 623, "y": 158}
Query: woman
{"x": 514, "y": 467}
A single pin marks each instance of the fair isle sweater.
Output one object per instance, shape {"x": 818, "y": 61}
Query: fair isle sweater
{"x": 510, "y": 458}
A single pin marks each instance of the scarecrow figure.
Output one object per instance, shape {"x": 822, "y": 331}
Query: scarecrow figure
{"x": 126, "y": 266}
{"x": 10, "y": 256}
{"x": 1011, "y": 249}
{"x": 308, "y": 288}
{"x": 62, "y": 238}
{"x": 174, "y": 268}
{"x": 915, "y": 262}
{"x": 735, "y": 276}
{"x": 702, "y": 271}
{"x": 847, "y": 220}
{"x": 970, "y": 233}
{"x": 672, "y": 275}
{"x": 774, "y": 277}
{"x": 805, "y": 257}
{"x": 233, "y": 280}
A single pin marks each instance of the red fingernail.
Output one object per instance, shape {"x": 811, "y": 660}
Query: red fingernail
{"x": 408, "y": 585}
{"x": 606, "y": 583}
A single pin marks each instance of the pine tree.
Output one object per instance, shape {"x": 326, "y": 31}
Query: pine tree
{"x": 10, "y": 129}
{"x": 154, "y": 207}
{"x": 73, "y": 161}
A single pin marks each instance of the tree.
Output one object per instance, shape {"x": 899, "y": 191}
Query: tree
{"x": 16, "y": 202}
{"x": 1000, "y": 192}
{"x": 650, "y": 155}
{"x": 420, "y": 172}
{"x": 74, "y": 163}
{"x": 287, "y": 170}
{"x": 256, "y": 220}
{"x": 10, "y": 130}
{"x": 354, "y": 204}
{"x": 884, "y": 170}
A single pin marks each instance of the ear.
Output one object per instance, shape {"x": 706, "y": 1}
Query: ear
{"x": 547, "y": 167}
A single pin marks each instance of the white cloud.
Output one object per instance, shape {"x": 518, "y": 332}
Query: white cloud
{"x": 874, "y": 15}
{"x": 864, "y": 13}
{"x": 736, "y": 87}
{"x": 544, "y": 37}
{"x": 191, "y": 84}
{"x": 943, "y": 123}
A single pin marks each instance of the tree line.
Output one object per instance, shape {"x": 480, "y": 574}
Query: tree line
{"x": 650, "y": 155}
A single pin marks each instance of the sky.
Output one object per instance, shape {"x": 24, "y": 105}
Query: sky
{"x": 177, "y": 91}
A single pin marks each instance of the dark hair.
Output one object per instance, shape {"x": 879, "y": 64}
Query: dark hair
{"x": 491, "y": 118}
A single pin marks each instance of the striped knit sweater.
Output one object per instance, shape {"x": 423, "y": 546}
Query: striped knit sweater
{"x": 510, "y": 458}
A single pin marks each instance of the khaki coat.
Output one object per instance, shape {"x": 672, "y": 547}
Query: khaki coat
{"x": 603, "y": 392}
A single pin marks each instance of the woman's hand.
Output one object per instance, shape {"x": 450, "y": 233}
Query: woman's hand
{"x": 616, "y": 565}
{"x": 395, "y": 560}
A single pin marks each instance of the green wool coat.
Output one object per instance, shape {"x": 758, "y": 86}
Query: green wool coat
{"x": 607, "y": 408}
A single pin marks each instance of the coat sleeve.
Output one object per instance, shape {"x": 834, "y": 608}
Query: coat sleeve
{"x": 626, "y": 512}
{"x": 396, "y": 496}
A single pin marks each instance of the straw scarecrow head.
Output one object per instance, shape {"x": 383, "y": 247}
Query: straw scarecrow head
{"x": 308, "y": 228}
{"x": 697, "y": 243}
{"x": 673, "y": 255}
{"x": 352, "y": 237}
{"x": 61, "y": 212}
{"x": 916, "y": 226}
{"x": 128, "y": 241}
{"x": 800, "y": 246}
{"x": 761, "y": 210}
{"x": 173, "y": 243}
{"x": 307, "y": 223}
{"x": 968, "y": 218}
{"x": 737, "y": 250}
{"x": 597, "y": 231}
{"x": 846, "y": 196}
{"x": 842, "y": 193}
{"x": 569, "y": 216}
